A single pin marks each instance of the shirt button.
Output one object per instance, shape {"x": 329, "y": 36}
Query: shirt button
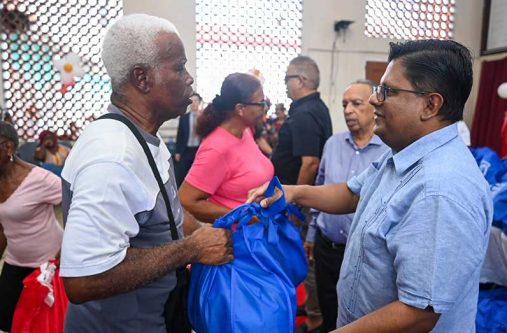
{"x": 357, "y": 152}
{"x": 341, "y": 231}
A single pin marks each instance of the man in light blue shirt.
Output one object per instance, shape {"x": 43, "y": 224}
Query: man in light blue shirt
{"x": 423, "y": 211}
{"x": 346, "y": 155}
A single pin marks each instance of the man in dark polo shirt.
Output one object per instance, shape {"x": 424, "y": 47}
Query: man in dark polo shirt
{"x": 304, "y": 133}
{"x": 300, "y": 144}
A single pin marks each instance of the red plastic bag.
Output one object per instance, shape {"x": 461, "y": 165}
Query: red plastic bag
{"x": 42, "y": 305}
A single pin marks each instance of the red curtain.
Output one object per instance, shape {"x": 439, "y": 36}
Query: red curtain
{"x": 490, "y": 108}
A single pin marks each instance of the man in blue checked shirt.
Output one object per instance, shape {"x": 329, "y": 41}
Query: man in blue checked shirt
{"x": 423, "y": 211}
{"x": 346, "y": 155}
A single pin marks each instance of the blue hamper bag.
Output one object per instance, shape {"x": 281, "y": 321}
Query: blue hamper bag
{"x": 256, "y": 291}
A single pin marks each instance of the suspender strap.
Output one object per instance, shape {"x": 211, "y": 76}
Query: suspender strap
{"x": 142, "y": 142}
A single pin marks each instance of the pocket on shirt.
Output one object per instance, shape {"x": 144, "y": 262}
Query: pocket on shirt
{"x": 372, "y": 242}
{"x": 373, "y": 236}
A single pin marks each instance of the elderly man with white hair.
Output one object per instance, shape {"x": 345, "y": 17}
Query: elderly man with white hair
{"x": 123, "y": 241}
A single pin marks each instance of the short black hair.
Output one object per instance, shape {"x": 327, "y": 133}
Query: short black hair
{"x": 441, "y": 66}
{"x": 9, "y": 132}
{"x": 280, "y": 106}
{"x": 197, "y": 95}
{"x": 236, "y": 88}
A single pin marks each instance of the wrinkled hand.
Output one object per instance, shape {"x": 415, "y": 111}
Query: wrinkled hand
{"x": 213, "y": 245}
{"x": 257, "y": 195}
{"x": 308, "y": 246}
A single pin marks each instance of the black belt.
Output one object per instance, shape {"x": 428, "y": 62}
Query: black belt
{"x": 329, "y": 242}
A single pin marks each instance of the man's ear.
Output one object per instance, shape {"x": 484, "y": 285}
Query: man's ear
{"x": 434, "y": 103}
{"x": 139, "y": 77}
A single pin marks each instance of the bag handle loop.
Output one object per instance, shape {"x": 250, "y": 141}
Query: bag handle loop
{"x": 242, "y": 214}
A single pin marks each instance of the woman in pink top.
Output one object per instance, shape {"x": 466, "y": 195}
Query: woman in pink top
{"x": 228, "y": 163}
{"x": 28, "y": 226}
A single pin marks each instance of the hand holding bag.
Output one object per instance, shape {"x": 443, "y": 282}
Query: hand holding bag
{"x": 256, "y": 291}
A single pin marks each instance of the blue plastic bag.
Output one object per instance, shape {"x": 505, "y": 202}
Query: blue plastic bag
{"x": 492, "y": 311}
{"x": 495, "y": 172}
{"x": 491, "y": 165}
{"x": 256, "y": 291}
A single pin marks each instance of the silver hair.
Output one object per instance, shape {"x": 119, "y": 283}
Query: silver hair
{"x": 130, "y": 41}
{"x": 367, "y": 82}
{"x": 307, "y": 67}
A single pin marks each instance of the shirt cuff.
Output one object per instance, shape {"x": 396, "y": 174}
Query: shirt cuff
{"x": 312, "y": 231}
{"x": 78, "y": 270}
{"x": 354, "y": 185}
{"x": 439, "y": 306}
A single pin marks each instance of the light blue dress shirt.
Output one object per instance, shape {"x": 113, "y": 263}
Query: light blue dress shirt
{"x": 420, "y": 233}
{"x": 341, "y": 160}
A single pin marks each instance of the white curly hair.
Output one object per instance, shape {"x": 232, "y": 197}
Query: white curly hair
{"x": 131, "y": 41}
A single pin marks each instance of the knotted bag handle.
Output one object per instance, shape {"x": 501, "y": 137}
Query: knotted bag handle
{"x": 243, "y": 214}
{"x": 280, "y": 205}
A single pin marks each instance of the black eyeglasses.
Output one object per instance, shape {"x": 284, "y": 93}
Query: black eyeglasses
{"x": 383, "y": 91}
{"x": 288, "y": 77}
{"x": 264, "y": 103}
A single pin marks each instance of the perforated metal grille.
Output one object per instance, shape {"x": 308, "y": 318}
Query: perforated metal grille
{"x": 34, "y": 33}
{"x": 410, "y": 19}
{"x": 236, "y": 36}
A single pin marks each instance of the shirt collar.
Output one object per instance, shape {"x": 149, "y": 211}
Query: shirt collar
{"x": 375, "y": 140}
{"x": 294, "y": 106}
{"x": 418, "y": 149}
